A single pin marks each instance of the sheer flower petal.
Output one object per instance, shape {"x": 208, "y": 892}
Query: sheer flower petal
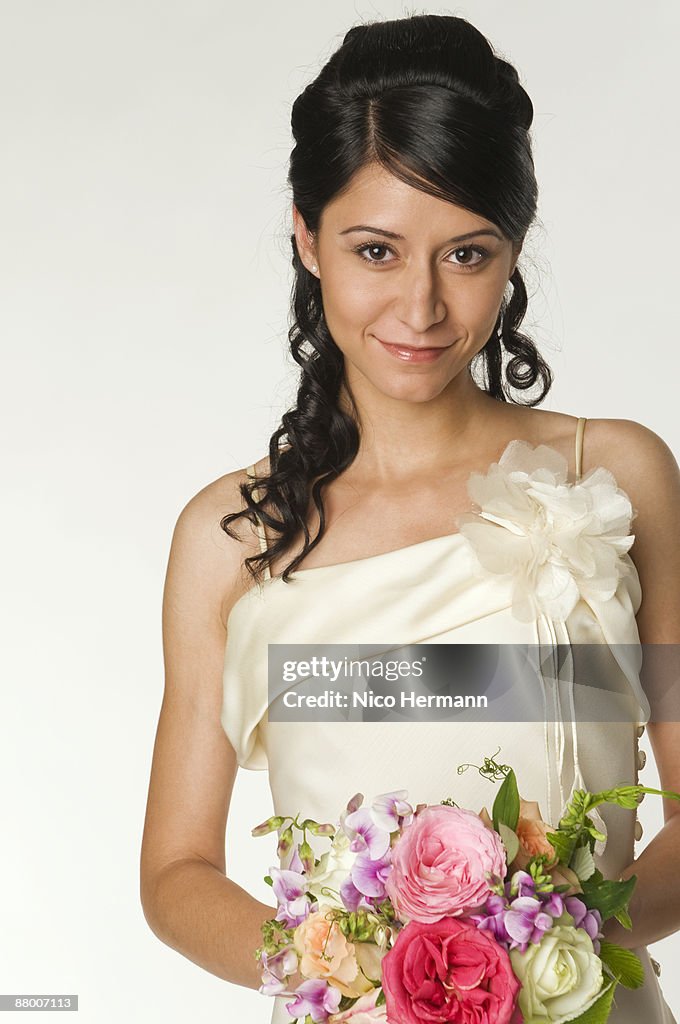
{"x": 558, "y": 542}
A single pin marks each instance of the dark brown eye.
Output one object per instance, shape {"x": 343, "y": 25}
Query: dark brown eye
{"x": 374, "y": 250}
{"x": 467, "y": 251}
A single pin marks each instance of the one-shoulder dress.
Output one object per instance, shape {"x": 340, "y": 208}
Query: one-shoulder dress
{"x": 539, "y": 559}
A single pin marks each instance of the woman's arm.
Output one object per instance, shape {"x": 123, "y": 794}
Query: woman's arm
{"x": 188, "y": 900}
{"x": 645, "y": 467}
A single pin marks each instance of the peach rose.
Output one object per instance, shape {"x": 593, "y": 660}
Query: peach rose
{"x": 531, "y": 831}
{"x": 326, "y": 953}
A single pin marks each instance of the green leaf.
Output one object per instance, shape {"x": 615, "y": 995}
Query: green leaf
{"x": 598, "y": 1010}
{"x": 582, "y": 863}
{"x": 624, "y": 963}
{"x": 381, "y": 998}
{"x": 510, "y": 842}
{"x": 269, "y": 880}
{"x": 563, "y": 844}
{"x": 624, "y": 919}
{"x": 506, "y": 804}
{"x": 610, "y": 898}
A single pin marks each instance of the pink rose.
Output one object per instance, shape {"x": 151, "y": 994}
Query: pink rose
{"x": 448, "y": 971}
{"x": 364, "y": 1011}
{"x": 440, "y": 864}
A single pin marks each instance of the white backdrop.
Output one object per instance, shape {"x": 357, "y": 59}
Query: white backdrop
{"x": 144, "y": 224}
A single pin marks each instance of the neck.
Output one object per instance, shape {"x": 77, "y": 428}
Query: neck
{"x": 401, "y": 439}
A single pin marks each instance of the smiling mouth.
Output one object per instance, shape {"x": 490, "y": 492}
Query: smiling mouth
{"x": 409, "y": 354}
{"x": 413, "y": 348}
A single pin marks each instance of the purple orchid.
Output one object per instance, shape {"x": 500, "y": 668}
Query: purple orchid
{"x": 589, "y": 920}
{"x": 352, "y": 899}
{"x": 553, "y": 903}
{"x": 521, "y": 884}
{"x": 366, "y": 834}
{"x": 525, "y": 922}
{"x": 522, "y": 916}
{"x": 295, "y": 862}
{"x": 289, "y": 888}
{"x": 392, "y": 811}
{"x": 369, "y": 875}
{"x": 276, "y": 968}
{"x": 315, "y": 997}
{"x": 493, "y": 918}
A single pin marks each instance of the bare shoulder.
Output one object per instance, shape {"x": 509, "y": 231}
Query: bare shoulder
{"x": 645, "y": 467}
{"x": 201, "y": 550}
{"x": 641, "y": 461}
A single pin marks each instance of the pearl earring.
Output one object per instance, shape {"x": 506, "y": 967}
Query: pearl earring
{"x": 314, "y": 268}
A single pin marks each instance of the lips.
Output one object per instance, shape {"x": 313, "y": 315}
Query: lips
{"x": 411, "y": 354}
{"x": 412, "y": 348}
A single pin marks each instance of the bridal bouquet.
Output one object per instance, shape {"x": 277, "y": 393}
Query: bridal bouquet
{"x": 438, "y": 914}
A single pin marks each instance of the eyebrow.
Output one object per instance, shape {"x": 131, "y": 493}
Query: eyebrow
{"x": 393, "y": 234}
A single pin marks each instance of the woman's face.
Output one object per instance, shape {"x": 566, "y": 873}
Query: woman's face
{"x": 387, "y": 300}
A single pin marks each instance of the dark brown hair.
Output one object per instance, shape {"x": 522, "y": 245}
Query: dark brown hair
{"x": 427, "y": 98}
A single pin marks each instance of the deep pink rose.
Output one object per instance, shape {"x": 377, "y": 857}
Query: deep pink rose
{"x": 448, "y": 971}
{"x": 440, "y": 862}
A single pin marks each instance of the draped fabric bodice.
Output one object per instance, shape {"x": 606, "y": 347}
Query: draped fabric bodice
{"x": 541, "y": 560}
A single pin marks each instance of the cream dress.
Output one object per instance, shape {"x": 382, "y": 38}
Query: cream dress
{"x": 541, "y": 560}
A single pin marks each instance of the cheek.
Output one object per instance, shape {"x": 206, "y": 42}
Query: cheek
{"x": 351, "y": 299}
{"x": 478, "y": 297}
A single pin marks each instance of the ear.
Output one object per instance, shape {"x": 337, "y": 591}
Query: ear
{"x": 304, "y": 239}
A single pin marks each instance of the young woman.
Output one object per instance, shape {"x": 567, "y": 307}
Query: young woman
{"x": 382, "y": 512}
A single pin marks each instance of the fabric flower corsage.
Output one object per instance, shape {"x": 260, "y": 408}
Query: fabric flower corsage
{"x": 559, "y": 542}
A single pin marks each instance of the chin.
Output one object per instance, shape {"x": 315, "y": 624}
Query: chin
{"x": 412, "y": 390}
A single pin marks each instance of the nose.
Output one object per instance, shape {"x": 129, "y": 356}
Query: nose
{"x": 419, "y": 304}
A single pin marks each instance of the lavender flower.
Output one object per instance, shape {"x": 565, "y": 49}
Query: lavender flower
{"x": 295, "y": 862}
{"x": 589, "y": 920}
{"x": 352, "y": 899}
{"x": 369, "y": 875}
{"x": 289, "y": 889}
{"x": 493, "y": 919}
{"x": 522, "y": 915}
{"x": 276, "y": 968}
{"x": 525, "y": 922}
{"x": 521, "y": 884}
{"x": 392, "y": 811}
{"x": 365, "y": 834}
{"x": 553, "y": 903}
{"x": 315, "y": 997}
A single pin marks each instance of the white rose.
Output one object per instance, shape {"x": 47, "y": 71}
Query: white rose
{"x": 560, "y": 975}
{"x": 333, "y": 868}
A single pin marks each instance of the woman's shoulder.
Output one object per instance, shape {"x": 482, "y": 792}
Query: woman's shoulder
{"x": 216, "y": 499}
{"x": 641, "y": 461}
{"x": 201, "y": 542}
{"x": 646, "y": 469}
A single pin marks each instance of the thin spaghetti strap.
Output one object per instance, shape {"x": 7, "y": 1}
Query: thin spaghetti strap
{"x": 259, "y": 528}
{"x": 580, "y": 427}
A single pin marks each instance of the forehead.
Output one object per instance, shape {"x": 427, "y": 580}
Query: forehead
{"x": 375, "y": 196}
